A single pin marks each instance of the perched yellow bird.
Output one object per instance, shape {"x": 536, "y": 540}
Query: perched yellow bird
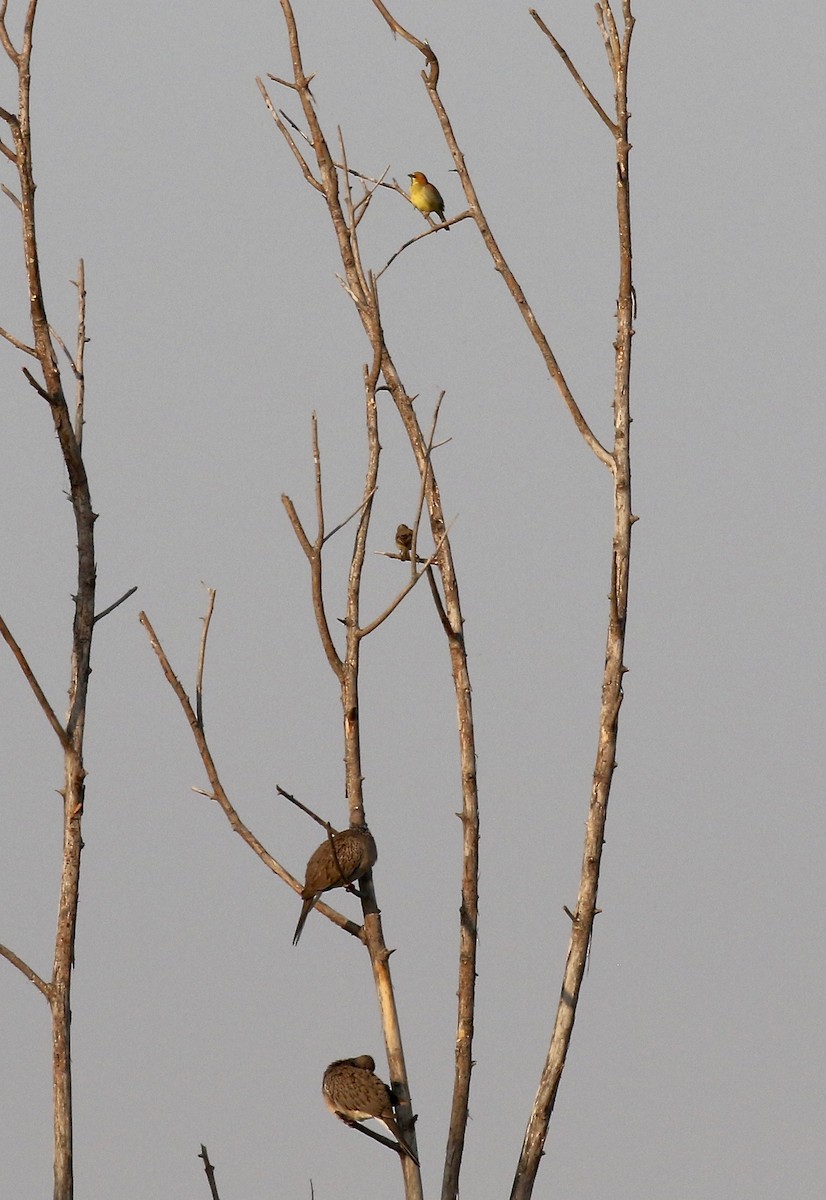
{"x": 424, "y": 196}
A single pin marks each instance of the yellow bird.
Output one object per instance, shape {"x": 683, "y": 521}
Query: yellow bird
{"x": 424, "y": 196}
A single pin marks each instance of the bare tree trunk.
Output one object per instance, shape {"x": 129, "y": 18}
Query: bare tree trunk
{"x": 582, "y": 918}
{"x": 58, "y": 990}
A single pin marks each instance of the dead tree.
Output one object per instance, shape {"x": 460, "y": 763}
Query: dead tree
{"x": 348, "y": 191}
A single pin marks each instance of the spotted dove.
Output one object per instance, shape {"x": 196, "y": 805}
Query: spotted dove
{"x": 351, "y": 855}
{"x": 354, "y": 1093}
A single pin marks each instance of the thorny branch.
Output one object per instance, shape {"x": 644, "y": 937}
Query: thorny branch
{"x": 72, "y": 735}
{"x": 582, "y": 919}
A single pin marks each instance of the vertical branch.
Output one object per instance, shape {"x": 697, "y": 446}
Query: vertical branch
{"x": 379, "y": 956}
{"x": 350, "y": 666}
{"x": 583, "y": 917}
{"x": 199, "y": 676}
{"x": 364, "y": 293}
{"x": 313, "y": 551}
{"x": 78, "y": 365}
{"x": 452, "y": 622}
{"x": 19, "y": 124}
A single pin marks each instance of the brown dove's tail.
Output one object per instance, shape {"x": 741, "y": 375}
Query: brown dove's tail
{"x": 408, "y": 1151}
{"x": 393, "y": 1126}
{"x": 305, "y": 912}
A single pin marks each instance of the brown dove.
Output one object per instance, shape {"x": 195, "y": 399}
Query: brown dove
{"x": 354, "y": 1093}
{"x": 352, "y": 855}
{"x": 404, "y": 541}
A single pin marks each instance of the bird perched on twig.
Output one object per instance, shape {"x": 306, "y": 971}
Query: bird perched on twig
{"x": 404, "y": 541}
{"x": 354, "y": 1093}
{"x": 338, "y": 864}
{"x": 424, "y": 196}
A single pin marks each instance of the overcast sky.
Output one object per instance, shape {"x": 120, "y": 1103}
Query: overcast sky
{"x": 217, "y": 327}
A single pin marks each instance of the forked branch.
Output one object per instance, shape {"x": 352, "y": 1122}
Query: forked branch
{"x": 430, "y": 78}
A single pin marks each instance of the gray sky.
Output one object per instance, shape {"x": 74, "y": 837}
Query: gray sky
{"x": 217, "y": 326}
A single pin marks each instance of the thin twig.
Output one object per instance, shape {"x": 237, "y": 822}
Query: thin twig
{"x": 26, "y": 970}
{"x": 40, "y": 695}
{"x": 199, "y": 678}
{"x": 314, "y": 556}
{"x": 608, "y": 27}
{"x": 427, "y": 473}
{"x": 64, "y": 348}
{"x": 41, "y": 391}
{"x": 82, "y": 341}
{"x": 437, "y": 600}
{"x": 285, "y": 116}
{"x": 218, "y": 794}
{"x": 462, "y": 216}
{"x": 5, "y": 40}
{"x": 18, "y": 345}
{"x": 105, "y": 613}
{"x": 315, "y": 817}
{"x": 10, "y": 194}
{"x": 377, "y": 182}
{"x": 285, "y": 133}
{"x": 209, "y": 1170}
{"x": 347, "y": 520}
{"x": 589, "y": 95}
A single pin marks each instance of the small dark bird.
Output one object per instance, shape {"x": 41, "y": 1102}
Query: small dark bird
{"x": 351, "y": 855}
{"x": 354, "y": 1093}
{"x": 404, "y": 541}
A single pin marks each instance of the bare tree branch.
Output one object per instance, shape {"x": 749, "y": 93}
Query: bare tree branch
{"x": 411, "y": 241}
{"x": 80, "y": 354}
{"x": 72, "y": 737}
{"x": 9, "y": 194}
{"x": 313, "y": 553}
{"x": 365, "y": 630}
{"x": 309, "y": 812}
{"x": 105, "y": 613}
{"x": 17, "y": 344}
{"x": 582, "y": 918}
{"x": 589, "y": 95}
{"x": 285, "y": 133}
{"x": 337, "y": 528}
{"x": 608, "y": 29}
{"x": 218, "y": 794}
{"x": 40, "y": 695}
{"x": 430, "y": 78}
{"x": 209, "y": 1171}
{"x": 26, "y": 970}
{"x": 199, "y": 678}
